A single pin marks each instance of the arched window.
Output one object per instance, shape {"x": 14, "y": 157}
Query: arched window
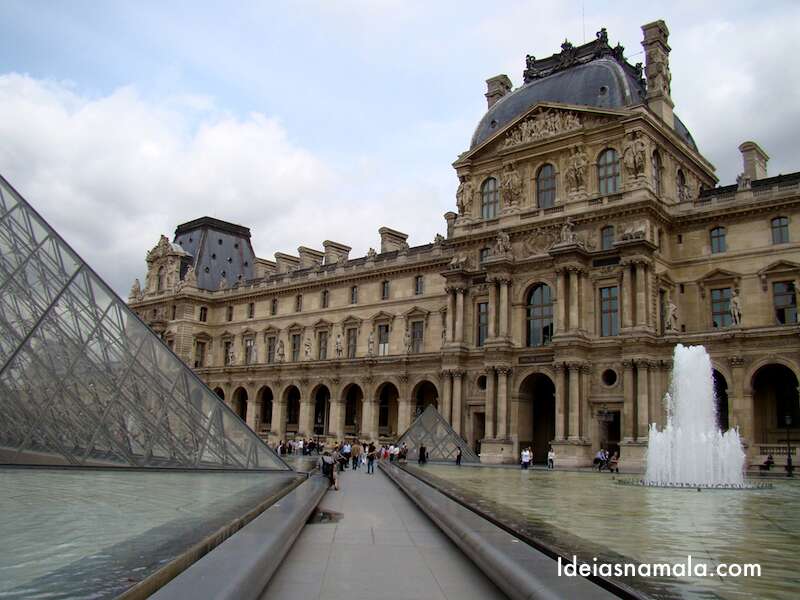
{"x": 546, "y": 186}
{"x": 718, "y": 240}
{"x": 657, "y": 172}
{"x": 607, "y": 237}
{"x": 490, "y": 200}
{"x": 780, "y": 230}
{"x": 608, "y": 177}
{"x": 540, "y": 315}
{"x": 160, "y": 280}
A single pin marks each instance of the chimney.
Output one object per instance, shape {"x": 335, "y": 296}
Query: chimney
{"x": 656, "y": 51}
{"x": 392, "y": 239}
{"x": 335, "y": 252}
{"x": 286, "y": 262}
{"x": 754, "y": 161}
{"x": 309, "y": 257}
{"x": 264, "y": 267}
{"x": 497, "y": 87}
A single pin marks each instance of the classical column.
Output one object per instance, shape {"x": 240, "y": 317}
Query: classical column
{"x": 253, "y": 413}
{"x": 574, "y": 401}
{"x": 279, "y": 418}
{"x": 460, "y": 315}
{"x": 574, "y": 304}
{"x": 306, "y": 423}
{"x": 490, "y": 397}
{"x": 457, "y": 408}
{"x": 558, "y": 368}
{"x": 370, "y": 414}
{"x": 737, "y": 410}
{"x": 561, "y": 303}
{"x": 451, "y": 311}
{"x": 626, "y": 295}
{"x": 504, "y": 308}
{"x": 404, "y": 408}
{"x": 502, "y": 402}
{"x": 643, "y": 400}
{"x": 446, "y": 394}
{"x": 492, "y": 308}
{"x": 641, "y": 293}
{"x": 654, "y": 393}
{"x": 629, "y": 401}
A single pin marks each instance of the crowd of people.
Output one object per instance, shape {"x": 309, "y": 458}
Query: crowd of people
{"x": 355, "y": 455}
{"x": 604, "y": 461}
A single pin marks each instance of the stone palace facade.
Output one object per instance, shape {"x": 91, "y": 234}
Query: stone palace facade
{"x": 591, "y": 237}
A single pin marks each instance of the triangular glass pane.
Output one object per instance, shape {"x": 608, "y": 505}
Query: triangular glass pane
{"x": 441, "y": 442}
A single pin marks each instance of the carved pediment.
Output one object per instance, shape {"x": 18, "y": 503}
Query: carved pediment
{"x": 295, "y": 327}
{"x": 322, "y": 324}
{"x": 382, "y": 316}
{"x": 351, "y": 321}
{"x": 271, "y": 330}
{"x": 416, "y": 313}
{"x": 781, "y": 268}
{"x": 548, "y": 122}
{"x": 717, "y": 277}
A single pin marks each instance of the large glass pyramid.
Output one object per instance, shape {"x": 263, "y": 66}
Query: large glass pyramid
{"x": 440, "y": 440}
{"x": 84, "y": 382}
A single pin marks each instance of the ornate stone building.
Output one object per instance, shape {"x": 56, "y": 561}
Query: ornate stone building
{"x": 591, "y": 237}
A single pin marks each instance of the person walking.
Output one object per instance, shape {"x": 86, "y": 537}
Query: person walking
{"x": 356, "y": 455}
{"x": 328, "y": 468}
{"x": 551, "y": 458}
{"x": 371, "y": 453}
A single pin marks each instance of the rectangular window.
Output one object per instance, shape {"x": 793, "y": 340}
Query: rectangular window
{"x": 272, "y": 342}
{"x": 721, "y": 307}
{"x": 273, "y": 307}
{"x": 609, "y": 311}
{"x": 785, "y": 302}
{"x": 228, "y": 350}
{"x": 419, "y": 285}
{"x": 249, "y": 351}
{"x": 295, "y": 347}
{"x": 354, "y": 295}
{"x": 298, "y": 303}
{"x": 229, "y": 314}
{"x": 416, "y": 336}
{"x": 483, "y": 255}
{"x": 483, "y": 323}
{"x": 324, "y": 299}
{"x": 607, "y": 238}
{"x": 251, "y": 310}
{"x": 174, "y": 311}
{"x": 203, "y": 314}
{"x": 383, "y": 340}
{"x": 384, "y": 290}
{"x": 199, "y": 355}
{"x": 352, "y": 340}
{"x": 322, "y": 345}
{"x": 780, "y": 230}
{"x": 718, "y": 240}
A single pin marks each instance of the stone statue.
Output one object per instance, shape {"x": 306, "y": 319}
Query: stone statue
{"x": 407, "y": 341}
{"x": 460, "y": 261}
{"x": 633, "y": 156}
{"x": 672, "y": 317}
{"x": 223, "y": 283}
{"x": 190, "y": 279}
{"x": 635, "y": 230}
{"x": 371, "y": 253}
{"x": 403, "y": 248}
{"x": 511, "y": 187}
{"x": 444, "y": 336}
{"x": 743, "y": 182}
{"x": 371, "y": 344}
{"x": 438, "y": 240}
{"x": 464, "y": 196}
{"x": 502, "y": 244}
{"x": 231, "y": 356}
{"x": 736, "y": 308}
{"x": 280, "y": 354}
{"x": 338, "y": 345}
{"x": 307, "y": 348}
{"x": 568, "y": 235}
{"x": 136, "y": 290}
{"x": 576, "y": 170}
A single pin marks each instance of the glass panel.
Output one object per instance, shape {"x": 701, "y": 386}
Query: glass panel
{"x": 441, "y": 442}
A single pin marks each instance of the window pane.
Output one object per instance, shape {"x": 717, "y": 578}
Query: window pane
{"x": 718, "y": 240}
{"x": 540, "y": 316}
{"x": 785, "y": 302}
{"x": 489, "y": 198}
{"x": 607, "y": 238}
{"x": 416, "y": 336}
{"x": 483, "y": 323}
{"x": 546, "y": 187}
{"x": 608, "y": 172}
{"x": 780, "y": 230}
{"x": 609, "y": 311}
{"x": 721, "y": 307}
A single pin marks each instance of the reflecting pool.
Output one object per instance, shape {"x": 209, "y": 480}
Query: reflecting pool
{"x": 92, "y": 534}
{"x": 590, "y": 515}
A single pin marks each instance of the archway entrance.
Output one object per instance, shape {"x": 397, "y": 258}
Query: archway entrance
{"x": 721, "y": 397}
{"x": 425, "y": 394}
{"x": 353, "y": 400}
{"x": 322, "y": 402}
{"x": 220, "y": 393}
{"x": 537, "y": 417}
{"x": 776, "y": 410}
{"x": 265, "y": 395}
{"x": 240, "y": 403}
{"x": 292, "y": 396}
{"x": 387, "y": 409}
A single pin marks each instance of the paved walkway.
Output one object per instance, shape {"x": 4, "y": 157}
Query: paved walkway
{"x": 384, "y": 548}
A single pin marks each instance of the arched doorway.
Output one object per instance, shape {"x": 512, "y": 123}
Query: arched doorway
{"x": 220, "y": 393}
{"x": 721, "y": 397}
{"x": 353, "y": 400}
{"x": 322, "y": 403}
{"x": 537, "y": 417}
{"x": 775, "y": 405}
{"x": 387, "y": 409}
{"x": 240, "y": 403}
{"x": 425, "y": 394}
{"x": 292, "y": 398}
{"x": 265, "y": 396}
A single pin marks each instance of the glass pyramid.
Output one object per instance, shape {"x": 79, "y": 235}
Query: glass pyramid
{"x": 442, "y": 443}
{"x": 84, "y": 382}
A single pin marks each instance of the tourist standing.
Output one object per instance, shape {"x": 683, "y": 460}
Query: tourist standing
{"x": 551, "y": 458}
{"x": 423, "y": 455}
{"x": 355, "y": 455}
{"x": 328, "y": 468}
{"x": 371, "y": 453}
{"x": 525, "y": 458}
{"x": 347, "y": 451}
{"x": 458, "y": 456}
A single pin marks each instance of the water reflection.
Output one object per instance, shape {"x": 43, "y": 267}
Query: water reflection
{"x": 590, "y": 514}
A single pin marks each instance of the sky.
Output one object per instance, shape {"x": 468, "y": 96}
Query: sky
{"x": 312, "y": 120}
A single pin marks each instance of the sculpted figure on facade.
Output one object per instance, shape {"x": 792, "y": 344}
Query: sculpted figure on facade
{"x": 307, "y": 348}
{"x": 634, "y": 156}
{"x": 190, "y": 279}
{"x": 568, "y": 235}
{"x": 407, "y": 341}
{"x": 511, "y": 187}
{"x": 136, "y": 290}
{"x": 371, "y": 253}
{"x": 464, "y": 197}
{"x": 635, "y": 230}
{"x": 223, "y": 283}
{"x": 280, "y": 354}
{"x": 542, "y": 125}
{"x": 438, "y": 240}
{"x": 371, "y": 344}
{"x": 736, "y": 308}
{"x": 502, "y": 244}
{"x": 576, "y": 170}
{"x": 658, "y": 76}
{"x": 672, "y": 317}
{"x": 460, "y": 261}
{"x": 338, "y": 345}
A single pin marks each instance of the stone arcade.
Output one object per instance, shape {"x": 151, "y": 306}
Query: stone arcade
{"x": 590, "y": 238}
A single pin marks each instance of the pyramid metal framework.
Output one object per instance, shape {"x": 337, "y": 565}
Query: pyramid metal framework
{"x": 84, "y": 382}
{"x": 441, "y": 441}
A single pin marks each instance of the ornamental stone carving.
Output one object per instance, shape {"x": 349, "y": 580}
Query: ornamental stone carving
{"x": 502, "y": 244}
{"x": 136, "y": 291}
{"x": 736, "y": 307}
{"x": 575, "y": 172}
{"x": 460, "y": 261}
{"x": 464, "y": 196}
{"x": 634, "y": 156}
{"x": 511, "y": 187}
{"x": 540, "y": 241}
{"x": 547, "y": 124}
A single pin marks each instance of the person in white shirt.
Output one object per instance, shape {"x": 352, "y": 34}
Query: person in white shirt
{"x": 551, "y": 458}
{"x": 391, "y": 453}
{"x": 526, "y": 458}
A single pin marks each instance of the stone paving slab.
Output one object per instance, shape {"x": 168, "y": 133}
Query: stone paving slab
{"x": 383, "y": 548}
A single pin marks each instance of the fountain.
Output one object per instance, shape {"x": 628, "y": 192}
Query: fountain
{"x": 691, "y": 451}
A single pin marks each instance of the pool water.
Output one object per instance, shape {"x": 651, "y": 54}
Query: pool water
{"x": 589, "y": 514}
{"x": 69, "y": 533}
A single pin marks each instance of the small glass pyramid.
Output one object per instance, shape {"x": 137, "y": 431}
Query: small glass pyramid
{"x": 433, "y": 431}
{"x": 84, "y": 382}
